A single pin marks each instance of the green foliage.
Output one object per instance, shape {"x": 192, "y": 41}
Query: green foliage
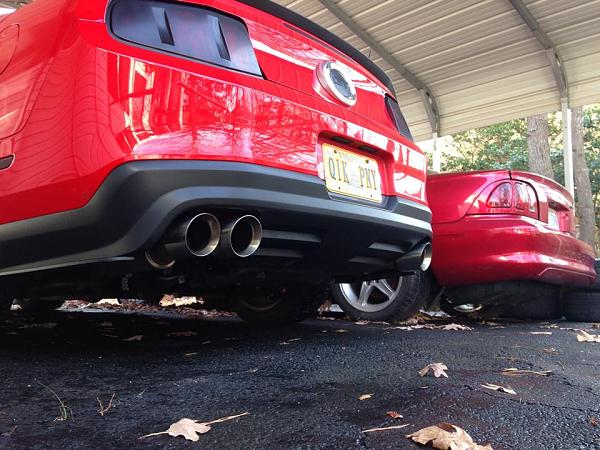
{"x": 500, "y": 146}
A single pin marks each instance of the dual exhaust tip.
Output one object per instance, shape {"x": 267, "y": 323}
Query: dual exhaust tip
{"x": 203, "y": 235}
{"x": 419, "y": 258}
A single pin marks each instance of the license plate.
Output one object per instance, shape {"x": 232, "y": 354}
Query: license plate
{"x": 351, "y": 174}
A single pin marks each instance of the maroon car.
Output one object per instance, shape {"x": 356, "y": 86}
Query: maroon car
{"x": 501, "y": 238}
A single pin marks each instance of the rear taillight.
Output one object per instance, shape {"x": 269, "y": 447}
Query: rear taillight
{"x": 507, "y": 197}
{"x": 184, "y": 30}
{"x": 533, "y": 200}
{"x": 501, "y": 197}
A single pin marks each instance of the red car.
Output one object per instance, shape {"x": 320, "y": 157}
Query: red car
{"x": 500, "y": 238}
{"x": 226, "y": 149}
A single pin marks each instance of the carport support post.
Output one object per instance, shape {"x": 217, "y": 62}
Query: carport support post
{"x": 437, "y": 155}
{"x": 567, "y": 146}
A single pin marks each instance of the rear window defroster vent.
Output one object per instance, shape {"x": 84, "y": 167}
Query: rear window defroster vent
{"x": 192, "y": 32}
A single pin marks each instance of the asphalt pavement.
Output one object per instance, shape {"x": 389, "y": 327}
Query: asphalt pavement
{"x": 301, "y": 385}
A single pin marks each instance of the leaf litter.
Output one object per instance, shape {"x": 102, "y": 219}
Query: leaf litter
{"x": 512, "y": 371}
{"x": 438, "y": 370}
{"x": 445, "y": 436}
{"x": 586, "y": 337}
{"x": 495, "y": 387}
{"x": 192, "y": 429}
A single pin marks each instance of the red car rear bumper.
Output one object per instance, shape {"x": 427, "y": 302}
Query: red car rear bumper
{"x": 491, "y": 248}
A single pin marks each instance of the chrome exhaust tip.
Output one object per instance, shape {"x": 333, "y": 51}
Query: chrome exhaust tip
{"x": 202, "y": 234}
{"x": 419, "y": 258}
{"x": 242, "y": 236}
{"x": 195, "y": 236}
{"x": 426, "y": 256}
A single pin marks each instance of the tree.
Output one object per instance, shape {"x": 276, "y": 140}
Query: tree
{"x": 500, "y": 146}
{"x": 585, "y": 202}
{"x": 538, "y": 145}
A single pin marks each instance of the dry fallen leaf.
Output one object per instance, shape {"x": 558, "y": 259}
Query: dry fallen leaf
{"x": 586, "y": 337}
{"x": 594, "y": 422}
{"x": 341, "y": 330}
{"x": 445, "y": 436}
{"x": 548, "y": 333}
{"x": 515, "y": 371}
{"x": 456, "y": 327}
{"x": 438, "y": 369}
{"x": 393, "y": 427}
{"x": 137, "y": 337}
{"x": 413, "y": 327}
{"x": 365, "y": 396}
{"x": 495, "y": 387}
{"x": 109, "y": 301}
{"x": 550, "y": 351}
{"x": 394, "y": 415}
{"x": 191, "y": 429}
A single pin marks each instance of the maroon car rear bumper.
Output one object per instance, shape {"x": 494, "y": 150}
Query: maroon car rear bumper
{"x": 490, "y": 248}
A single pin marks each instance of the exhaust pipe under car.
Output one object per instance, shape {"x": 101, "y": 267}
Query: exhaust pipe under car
{"x": 241, "y": 236}
{"x": 195, "y": 236}
{"x": 417, "y": 258}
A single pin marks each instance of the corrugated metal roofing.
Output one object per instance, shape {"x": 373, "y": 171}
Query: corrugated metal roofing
{"x": 480, "y": 60}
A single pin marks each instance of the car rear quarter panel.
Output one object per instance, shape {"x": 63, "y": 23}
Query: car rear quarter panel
{"x": 451, "y": 195}
{"x": 480, "y": 248}
{"x": 102, "y": 103}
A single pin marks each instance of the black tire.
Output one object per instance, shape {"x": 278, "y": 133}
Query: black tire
{"x": 596, "y": 284}
{"x": 582, "y": 306}
{"x": 540, "y": 308}
{"x": 410, "y": 293}
{"x": 280, "y": 306}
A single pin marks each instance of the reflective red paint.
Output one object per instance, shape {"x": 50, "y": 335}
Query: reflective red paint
{"x": 78, "y": 103}
{"x": 474, "y": 244}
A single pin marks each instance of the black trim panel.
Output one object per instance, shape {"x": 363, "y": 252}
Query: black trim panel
{"x": 323, "y": 34}
{"x": 138, "y": 201}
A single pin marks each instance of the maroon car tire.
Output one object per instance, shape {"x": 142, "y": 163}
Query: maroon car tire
{"x": 540, "y": 308}
{"x": 582, "y": 306}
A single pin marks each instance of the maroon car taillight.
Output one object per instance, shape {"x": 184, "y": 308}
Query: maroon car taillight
{"x": 501, "y": 197}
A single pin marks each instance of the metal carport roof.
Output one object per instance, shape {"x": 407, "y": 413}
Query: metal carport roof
{"x": 480, "y": 60}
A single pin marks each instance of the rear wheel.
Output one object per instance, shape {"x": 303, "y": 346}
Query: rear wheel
{"x": 471, "y": 311}
{"x": 582, "y": 306}
{"x": 278, "y": 306}
{"x": 396, "y": 298}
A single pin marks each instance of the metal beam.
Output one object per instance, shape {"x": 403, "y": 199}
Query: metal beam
{"x": 551, "y": 52}
{"x": 426, "y": 96}
{"x": 560, "y": 76}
